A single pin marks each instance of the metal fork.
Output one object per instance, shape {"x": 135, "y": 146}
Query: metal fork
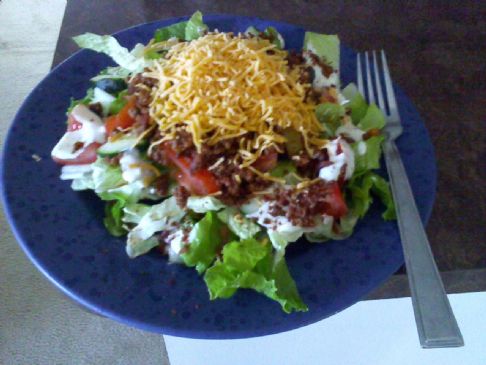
{"x": 436, "y": 324}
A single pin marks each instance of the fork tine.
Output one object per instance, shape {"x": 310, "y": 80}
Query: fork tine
{"x": 381, "y": 102}
{"x": 371, "y": 94}
{"x": 392, "y": 103}
{"x": 359, "y": 74}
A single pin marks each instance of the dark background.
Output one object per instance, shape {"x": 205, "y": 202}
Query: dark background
{"x": 437, "y": 53}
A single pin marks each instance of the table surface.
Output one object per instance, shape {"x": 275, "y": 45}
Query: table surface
{"x": 438, "y": 63}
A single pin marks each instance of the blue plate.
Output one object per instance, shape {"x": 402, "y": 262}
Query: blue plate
{"x": 62, "y": 231}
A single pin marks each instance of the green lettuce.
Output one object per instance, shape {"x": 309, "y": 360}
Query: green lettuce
{"x": 250, "y": 264}
{"x": 373, "y": 119}
{"x": 112, "y": 72}
{"x": 204, "y": 204}
{"x": 205, "y": 241}
{"x": 243, "y": 227}
{"x": 117, "y": 105}
{"x": 106, "y": 176}
{"x": 184, "y": 31}
{"x": 367, "y": 154}
{"x": 132, "y": 61}
{"x": 359, "y": 195}
{"x": 159, "y": 217}
{"x": 134, "y": 212}
{"x": 113, "y": 218}
{"x": 330, "y": 115}
{"x": 325, "y": 46}
{"x": 356, "y": 102}
{"x": 269, "y": 33}
{"x": 85, "y": 101}
{"x": 334, "y": 230}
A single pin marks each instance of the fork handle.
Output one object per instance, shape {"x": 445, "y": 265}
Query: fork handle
{"x": 436, "y": 324}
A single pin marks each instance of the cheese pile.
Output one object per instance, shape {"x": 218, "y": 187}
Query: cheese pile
{"x": 223, "y": 86}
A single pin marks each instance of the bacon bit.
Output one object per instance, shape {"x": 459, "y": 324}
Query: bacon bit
{"x": 371, "y": 133}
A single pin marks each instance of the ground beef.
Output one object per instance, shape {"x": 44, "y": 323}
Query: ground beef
{"x": 301, "y": 207}
{"x": 161, "y": 184}
{"x": 140, "y": 88}
{"x": 307, "y": 75}
{"x": 181, "y": 194}
{"x": 295, "y": 58}
{"x": 316, "y": 61}
{"x": 309, "y": 166}
{"x": 182, "y": 144}
{"x": 237, "y": 184}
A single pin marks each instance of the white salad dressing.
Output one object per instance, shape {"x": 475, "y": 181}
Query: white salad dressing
{"x": 92, "y": 130}
{"x": 279, "y": 227}
{"x": 175, "y": 244}
{"x": 361, "y": 148}
{"x": 320, "y": 80}
{"x": 132, "y": 167}
{"x": 349, "y": 130}
{"x": 346, "y": 157}
{"x": 281, "y": 40}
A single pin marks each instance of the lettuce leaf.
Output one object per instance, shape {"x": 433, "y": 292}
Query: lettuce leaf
{"x": 112, "y": 72}
{"x": 373, "y": 119}
{"x": 356, "y": 102}
{"x": 184, "y": 31}
{"x": 113, "y": 218}
{"x": 134, "y": 212}
{"x": 132, "y": 61}
{"x": 106, "y": 176}
{"x": 330, "y": 229}
{"x": 158, "y": 218}
{"x": 204, "y": 204}
{"x": 269, "y": 33}
{"x": 367, "y": 154}
{"x": 250, "y": 264}
{"x": 325, "y": 46}
{"x": 205, "y": 240}
{"x": 86, "y": 100}
{"x": 359, "y": 190}
{"x": 117, "y": 105}
{"x": 243, "y": 227}
{"x": 330, "y": 116}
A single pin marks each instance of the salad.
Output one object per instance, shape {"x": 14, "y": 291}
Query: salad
{"x": 219, "y": 149}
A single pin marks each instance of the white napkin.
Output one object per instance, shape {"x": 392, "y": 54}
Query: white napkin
{"x": 375, "y": 332}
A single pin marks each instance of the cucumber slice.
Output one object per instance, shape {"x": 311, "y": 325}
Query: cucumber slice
{"x": 117, "y": 146}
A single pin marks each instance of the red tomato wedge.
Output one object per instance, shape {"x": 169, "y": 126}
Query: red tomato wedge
{"x": 121, "y": 120}
{"x": 86, "y": 157}
{"x": 336, "y": 206}
{"x": 200, "y": 182}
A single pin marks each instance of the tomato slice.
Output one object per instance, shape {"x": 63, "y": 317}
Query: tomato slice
{"x": 266, "y": 161}
{"x": 336, "y": 206}
{"x": 200, "y": 182}
{"x": 121, "y": 120}
{"x": 86, "y": 157}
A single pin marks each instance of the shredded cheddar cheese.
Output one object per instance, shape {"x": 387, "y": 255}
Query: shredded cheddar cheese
{"x": 222, "y": 86}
